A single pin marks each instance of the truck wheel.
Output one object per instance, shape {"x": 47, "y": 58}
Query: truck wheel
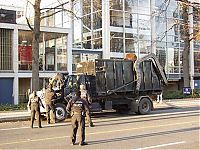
{"x": 145, "y": 106}
{"x": 60, "y": 111}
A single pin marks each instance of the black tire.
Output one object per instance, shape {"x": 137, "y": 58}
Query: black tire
{"x": 60, "y": 112}
{"x": 145, "y": 106}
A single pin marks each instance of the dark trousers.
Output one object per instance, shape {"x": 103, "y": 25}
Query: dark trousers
{"x": 35, "y": 110}
{"x": 50, "y": 107}
{"x": 78, "y": 123}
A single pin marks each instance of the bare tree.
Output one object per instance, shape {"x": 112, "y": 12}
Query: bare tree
{"x": 36, "y": 34}
{"x": 186, "y": 51}
{"x": 186, "y": 36}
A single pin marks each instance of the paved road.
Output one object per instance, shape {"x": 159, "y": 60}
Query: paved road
{"x": 163, "y": 129}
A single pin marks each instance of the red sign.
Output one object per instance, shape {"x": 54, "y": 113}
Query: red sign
{"x": 25, "y": 54}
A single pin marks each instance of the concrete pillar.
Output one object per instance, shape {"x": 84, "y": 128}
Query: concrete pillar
{"x": 153, "y": 27}
{"x": 106, "y": 29}
{"x": 15, "y": 66}
{"x": 191, "y": 57}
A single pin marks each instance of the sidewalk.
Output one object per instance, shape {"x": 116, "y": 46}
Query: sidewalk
{"x": 7, "y": 116}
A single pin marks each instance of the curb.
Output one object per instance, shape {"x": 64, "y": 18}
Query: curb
{"x": 15, "y": 119}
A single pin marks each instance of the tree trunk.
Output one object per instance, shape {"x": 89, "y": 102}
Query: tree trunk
{"x": 186, "y": 36}
{"x": 35, "y": 46}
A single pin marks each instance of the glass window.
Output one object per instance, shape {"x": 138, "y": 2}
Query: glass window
{"x": 87, "y": 43}
{"x": 6, "y": 49}
{"x": 145, "y": 47}
{"x": 116, "y": 4}
{"x": 50, "y": 19}
{"x": 41, "y": 54}
{"x": 49, "y": 39}
{"x": 116, "y": 45}
{"x": 144, "y": 6}
{"x": 116, "y": 18}
{"x": 144, "y": 24}
{"x": 25, "y": 50}
{"x": 97, "y": 43}
{"x": 116, "y": 42}
{"x": 76, "y": 58}
{"x": 131, "y": 6}
{"x": 130, "y": 42}
{"x": 86, "y": 7}
{"x": 61, "y": 48}
{"x": 86, "y": 23}
{"x": 161, "y": 54}
{"x": 97, "y": 20}
{"x": 24, "y": 88}
{"x": 197, "y": 62}
{"x": 160, "y": 27}
{"x": 173, "y": 60}
{"x": 89, "y": 57}
{"x": 97, "y": 5}
{"x": 77, "y": 34}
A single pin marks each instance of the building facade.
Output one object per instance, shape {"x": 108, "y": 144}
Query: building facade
{"x": 16, "y": 59}
{"x": 113, "y": 28}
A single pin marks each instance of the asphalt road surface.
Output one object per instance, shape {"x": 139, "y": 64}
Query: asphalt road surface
{"x": 162, "y": 129}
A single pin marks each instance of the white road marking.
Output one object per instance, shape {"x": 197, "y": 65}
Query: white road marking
{"x": 162, "y": 145}
{"x": 50, "y": 125}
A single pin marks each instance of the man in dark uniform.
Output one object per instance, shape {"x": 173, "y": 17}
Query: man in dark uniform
{"x": 78, "y": 109}
{"x": 34, "y": 104}
{"x": 86, "y": 96}
{"x": 50, "y": 96}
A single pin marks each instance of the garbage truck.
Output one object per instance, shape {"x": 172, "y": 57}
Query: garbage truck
{"x": 121, "y": 85}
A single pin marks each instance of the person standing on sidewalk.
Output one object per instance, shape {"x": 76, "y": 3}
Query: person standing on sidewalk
{"x": 86, "y": 96}
{"x": 34, "y": 105}
{"x": 50, "y": 96}
{"x": 78, "y": 108}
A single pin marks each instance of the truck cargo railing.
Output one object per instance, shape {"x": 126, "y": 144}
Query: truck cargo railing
{"x": 156, "y": 64}
{"x": 123, "y": 86}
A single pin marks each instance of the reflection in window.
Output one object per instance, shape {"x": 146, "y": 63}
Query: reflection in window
{"x": 116, "y": 18}
{"x": 87, "y": 44}
{"x": 97, "y": 20}
{"x": 61, "y": 48}
{"x": 116, "y": 4}
{"x": 197, "y": 62}
{"x": 87, "y": 23}
{"x": 144, "y": 6}
{"x": 24, "y": 86}
{"x": 50, "y": 19}
{"x": 76, "y": 58}
{"x": 131, "y": 5}
{"x": 41, "y": 55}
{"x": 161, "y": 54}
{"x": 86, "y": 7}
{"x": 145, "y": 47}
{"x": 25, "y": 50}
{"x": 97, "y": 42}
{"x": 173, "y": 60}
{"x": 97, "y": 5}
{"x": 49, "y": 51}
{"x": 130, "y": 42}
{"x": 116, "y": 42}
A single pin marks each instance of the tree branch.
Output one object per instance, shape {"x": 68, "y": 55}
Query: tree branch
{"x": 29, "y": 25}
{"x": 56, "y": 6}
{"x": 62, "y": 9}
{"x": 167, "y": 31}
